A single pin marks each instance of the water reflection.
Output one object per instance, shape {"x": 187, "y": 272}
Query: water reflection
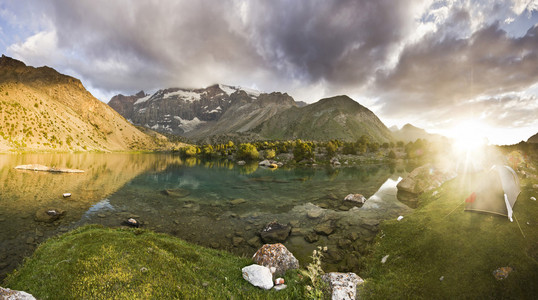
{"x": 213, "y": 203}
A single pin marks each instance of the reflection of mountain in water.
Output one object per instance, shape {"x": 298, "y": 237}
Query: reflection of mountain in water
{"x": 23, "y": 193}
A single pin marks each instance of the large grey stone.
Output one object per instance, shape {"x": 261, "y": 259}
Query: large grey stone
{"x": 259, "y": 276}
{"x": 343, "y": 285}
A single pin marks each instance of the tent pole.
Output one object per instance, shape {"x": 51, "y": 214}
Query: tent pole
{"x": 520, "y": 227}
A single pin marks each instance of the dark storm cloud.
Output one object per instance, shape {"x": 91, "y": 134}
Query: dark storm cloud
{"x": 340, "y": 42}
{"x": 435, "y": 73}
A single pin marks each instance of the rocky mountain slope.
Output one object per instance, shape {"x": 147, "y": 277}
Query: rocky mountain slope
{"x": 410, "y": 133}
{"x": 338, "y": 117}
{"x": 43, "y": 110}
{"x": 219, "y": 113}
{"x": 533, "y": 139}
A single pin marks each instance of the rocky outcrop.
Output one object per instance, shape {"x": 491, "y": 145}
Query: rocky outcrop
{"x": 420, "y": 180}
{"x": 259, "y": 276}
{"x": 277, "y": 256}
{"x": 343, "y": 285}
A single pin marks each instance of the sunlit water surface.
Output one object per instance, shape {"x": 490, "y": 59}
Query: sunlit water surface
{"x": 214, "y": 204}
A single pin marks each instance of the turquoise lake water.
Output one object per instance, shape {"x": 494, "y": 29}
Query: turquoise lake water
{"x": 216, "y": 204}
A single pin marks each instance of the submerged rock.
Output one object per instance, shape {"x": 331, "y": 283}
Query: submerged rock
{"x": 276, "y": 256}
{"x": 178, "y": 193}
{"x": 9, "y": 294}
{"x": 259, "y": 276}
{"x": 132, "y": 223}
{"x": 324, "y": 228}
{"x": 49, "y": 215}
{"x": 275, "y": 232}
{"x": 343, "y": 285}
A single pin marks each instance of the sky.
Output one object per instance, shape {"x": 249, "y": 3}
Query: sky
{"x": 434, "y": 64}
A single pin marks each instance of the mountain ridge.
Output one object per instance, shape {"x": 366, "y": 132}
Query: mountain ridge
{"x": 44, "y": 110}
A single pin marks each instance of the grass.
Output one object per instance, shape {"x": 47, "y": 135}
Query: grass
{"x": 93, "y": 262}
{"x": 442, "y": 252}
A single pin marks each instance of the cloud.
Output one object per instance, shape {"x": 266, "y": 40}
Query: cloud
{"x": 403, "y": 58}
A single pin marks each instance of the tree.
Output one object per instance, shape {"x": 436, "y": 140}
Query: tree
{"x": 247, "y": 152}
{"x": 190, "y": 151}
{"x": 391, "y": 155}
{"x": 270, "y": 154}
{"x": 302, "y": 151}
{"x": 331, "y": 148}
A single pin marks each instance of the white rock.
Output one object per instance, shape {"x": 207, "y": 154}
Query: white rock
{"x": 8, "y": 294}
{"x": 384, "y": 259}
{"x": 343, "y": 285}
{"x": 358, "y": 198}
{"x": 67, "y": 195}
{"x": 259, "y": 276}
{"x": 280, "y": 287}
{"x": 533, "y": 199}
{"x": 400, "y": 218}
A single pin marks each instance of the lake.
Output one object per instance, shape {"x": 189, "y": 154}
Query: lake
{"x": 216, "y": 204}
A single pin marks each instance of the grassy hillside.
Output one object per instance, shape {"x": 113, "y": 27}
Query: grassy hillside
{"x": 442, "y": 252}
{"x": 331, "y": 118}
{"x": 43, "y": 110}
{"x": 102, "y": 263}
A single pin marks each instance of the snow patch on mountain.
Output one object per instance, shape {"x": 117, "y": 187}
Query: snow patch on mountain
{"x": 188, "y": 125}
{"x": 142, "y": 100}
{"x": 232, "y": 89}
{"x": 186, "y": 95}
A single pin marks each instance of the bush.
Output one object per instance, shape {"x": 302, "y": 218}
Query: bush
{"x": 302, "y": 151}
{"x": 270, "y": 154}
{"x": 331, "y": 148}
{"x": 190, "y": 151}
{"x": 247, "y": 152}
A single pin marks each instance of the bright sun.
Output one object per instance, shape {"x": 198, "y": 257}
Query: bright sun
{"x": 469, "y": 135}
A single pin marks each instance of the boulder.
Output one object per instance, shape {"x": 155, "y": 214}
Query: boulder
{"x": 343, "y": 285}
{"x": 420, "y": 180}
{"x": 276, "y": 256}
{"x": 49, "y": 215}
{"x": 314, "y": 213}
{"x": 241, "y": 163}
{"x": 237, "y": 201}
{"x": 264, "y": 163}
{"x": 275, "y": 232}
{"x": 259, "y": 276}
{"x": 355, "y": 198}
{"x": 9, "y": 294}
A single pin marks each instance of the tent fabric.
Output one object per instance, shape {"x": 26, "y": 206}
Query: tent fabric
{"x": 490, "y": 190}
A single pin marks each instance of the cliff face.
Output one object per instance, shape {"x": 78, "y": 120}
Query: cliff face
{"x": 43, "y": 110}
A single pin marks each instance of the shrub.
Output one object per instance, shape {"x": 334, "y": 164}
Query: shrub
{"x": 247, "y": 152}
{"x": 270, "y": 154}
{"x": 302, "y": 151}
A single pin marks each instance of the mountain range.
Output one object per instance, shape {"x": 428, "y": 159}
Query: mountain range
{"x": 42, "y": 110}
{"x": 220, "y": 112}
{"x": 410, "y": 133}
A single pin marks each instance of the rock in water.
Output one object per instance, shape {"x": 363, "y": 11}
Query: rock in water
{"x": 275, "y": 232}
{"x": 178, "y": 193}
{"x": 276, "y": 256}
{"x": 420, "y": 180}
{"x": 9, "y": 294}
{"x": 259, "y": 276}
{"x": 48, "y": 215}
{"x": 355, "y": 198}
{"x": 132, "y": 223}
{"x": 343, "y": 285}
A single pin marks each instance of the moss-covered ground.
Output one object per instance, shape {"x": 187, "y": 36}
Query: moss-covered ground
{"x": 443, "y": 252}
{"x": 93, "y": 262}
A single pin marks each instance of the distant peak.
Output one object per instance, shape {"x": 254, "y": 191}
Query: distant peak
{"x": 228, "y": 89}
{"x": 140, "y": 94}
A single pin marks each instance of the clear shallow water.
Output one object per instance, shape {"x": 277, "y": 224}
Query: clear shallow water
{"x": 215, "y": 204}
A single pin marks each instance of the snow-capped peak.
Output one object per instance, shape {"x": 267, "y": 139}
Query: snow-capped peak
{"x": 228, "y": 89}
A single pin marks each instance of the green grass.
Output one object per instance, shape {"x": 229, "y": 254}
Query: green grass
{"x": 93, "y": 262}
{"x": 440, "y": 239}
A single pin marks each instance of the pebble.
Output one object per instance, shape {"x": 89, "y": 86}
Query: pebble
{"x": 400, "y": 218}
{"x": 280, "y": 287}
{"x": 533, "y": 199}
{"x": 441, "y": 278}
{"x": 384, "y": 259}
